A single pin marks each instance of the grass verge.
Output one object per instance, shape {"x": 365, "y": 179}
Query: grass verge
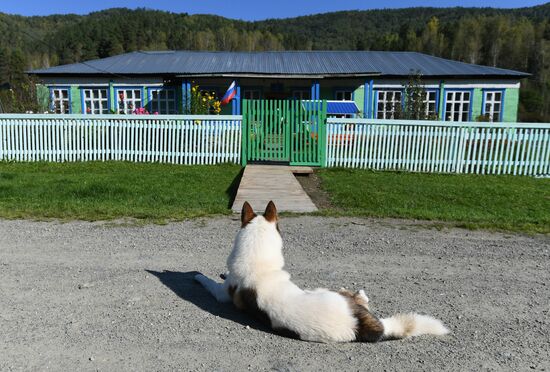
{"x": 473, "y": 201}
{"x": 104, "y": 191}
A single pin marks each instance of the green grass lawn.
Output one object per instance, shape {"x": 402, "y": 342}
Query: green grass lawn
{"x": 102, "y": 191}
{"x": 494, "y": 202}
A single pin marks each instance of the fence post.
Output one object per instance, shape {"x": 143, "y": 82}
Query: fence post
{"x": 244, "y": 132}
{"x": 322, "y": 135}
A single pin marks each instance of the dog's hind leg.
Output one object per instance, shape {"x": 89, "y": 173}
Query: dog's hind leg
{"x": 218, "y": 290}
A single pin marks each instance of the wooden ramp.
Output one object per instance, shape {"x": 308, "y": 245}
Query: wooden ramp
{"x": 262, "y": 183}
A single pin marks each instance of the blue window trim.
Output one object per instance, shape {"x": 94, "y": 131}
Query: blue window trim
{"x": 157, "y": 88}
{"x": 68, "y": 88}
{"x": 502, "y": 97}
{"x": 97, "y": 87}
{"x": 118, "y": 88}
{"x": 315, "y": 90}
{"x": 367, "y": 91}
{"x": 375, "y": 92}
{"x": 236, "y": 104}
{"x": 445, "y": 91}
{"x": 185, "y": 105}
{"x": 371, "y": 99}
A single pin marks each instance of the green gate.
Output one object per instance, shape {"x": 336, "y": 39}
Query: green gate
{"x": 284, "y": 131}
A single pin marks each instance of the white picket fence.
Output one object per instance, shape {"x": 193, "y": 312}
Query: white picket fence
{"x": 434, "y": 146}
{"x": 138, "y": 138}
{"x": 420, "y": 146}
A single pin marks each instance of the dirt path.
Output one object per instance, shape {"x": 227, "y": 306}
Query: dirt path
{"x": 93, "y": 296}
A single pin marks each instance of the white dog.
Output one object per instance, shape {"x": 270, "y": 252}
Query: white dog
{"x": 257, "y": 283}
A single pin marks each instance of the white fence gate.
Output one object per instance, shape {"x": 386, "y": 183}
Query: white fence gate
{"x": 140, "y": 138}
{"x": 435, "y": 146}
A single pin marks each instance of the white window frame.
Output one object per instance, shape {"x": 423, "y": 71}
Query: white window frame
{"x": 489, "y": 99}
{"x": 60, "y": 104}
{"x": 163, "y": 104}
{"x": 387, "y": 97}
{"x": 456, "y": 99}
{"x": 98, "y": 100}
{"x": 428, "y": 101}
{"x": 131, "y": 101}
{"x": 343, "y": 95}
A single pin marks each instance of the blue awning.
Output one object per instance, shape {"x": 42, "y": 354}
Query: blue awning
{"x": 334, "y": 107}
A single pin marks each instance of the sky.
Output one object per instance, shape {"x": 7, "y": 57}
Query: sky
{"x": 239, "y": 9}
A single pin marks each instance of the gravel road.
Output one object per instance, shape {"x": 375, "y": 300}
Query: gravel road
{"x": 116, "y": 297}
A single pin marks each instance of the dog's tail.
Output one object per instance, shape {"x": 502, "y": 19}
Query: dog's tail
{"x": 411, "y": 324}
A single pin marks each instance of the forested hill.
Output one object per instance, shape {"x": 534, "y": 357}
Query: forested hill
{"x": 509, "y": 38}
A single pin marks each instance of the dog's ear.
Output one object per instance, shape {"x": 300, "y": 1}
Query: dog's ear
{"x": 247, "y": 214}
{"x": 270, "y": 213}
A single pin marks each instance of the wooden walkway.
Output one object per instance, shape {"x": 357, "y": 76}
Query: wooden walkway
{"x": 262, "y": 183}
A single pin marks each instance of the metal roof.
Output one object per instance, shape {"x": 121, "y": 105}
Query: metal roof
{"x": 334, "y": 107}
{"x": 282, "y": 63}
{"x": 342, "y": 107}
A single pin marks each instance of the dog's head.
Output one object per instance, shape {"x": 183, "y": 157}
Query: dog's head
{"x": 258, "y": 245}
{"x": 270, "y": 214}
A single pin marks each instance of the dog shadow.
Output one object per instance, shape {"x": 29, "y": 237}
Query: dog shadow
{"x": 184, "y": 285}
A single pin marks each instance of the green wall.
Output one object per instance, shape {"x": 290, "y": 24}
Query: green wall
{"x": 511, "y": 102}
{"x": 477, "y": 102}
{"x": 112, "y": 98}
{"x": 441, "y": 108}
{"x": 76, "y": 100}
{"x": 359, "y": 98}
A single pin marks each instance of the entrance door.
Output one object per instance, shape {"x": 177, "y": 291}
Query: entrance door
{"x": 284, "y": 131}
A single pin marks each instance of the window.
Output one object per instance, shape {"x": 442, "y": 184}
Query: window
{"x": 301, "y": 94}
{"x": 457, "y": 107}
{"x": 128, "y": 100}
{"x": 96, "y": 101}
{"x": 343, "y": 95}
{"x": 430, "y": 100}
{"x": 493, "y": 105}
{"x": 252, "y": 94}
{"x": 60, "y": 103}
{"x": 163, "y": 101}
{"x": 388, "y": 104}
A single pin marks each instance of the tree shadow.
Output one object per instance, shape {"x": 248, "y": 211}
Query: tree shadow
{"x": 184, "y": 285}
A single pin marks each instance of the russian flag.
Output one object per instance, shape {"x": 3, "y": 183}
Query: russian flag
{"x": 230, "y": 94}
